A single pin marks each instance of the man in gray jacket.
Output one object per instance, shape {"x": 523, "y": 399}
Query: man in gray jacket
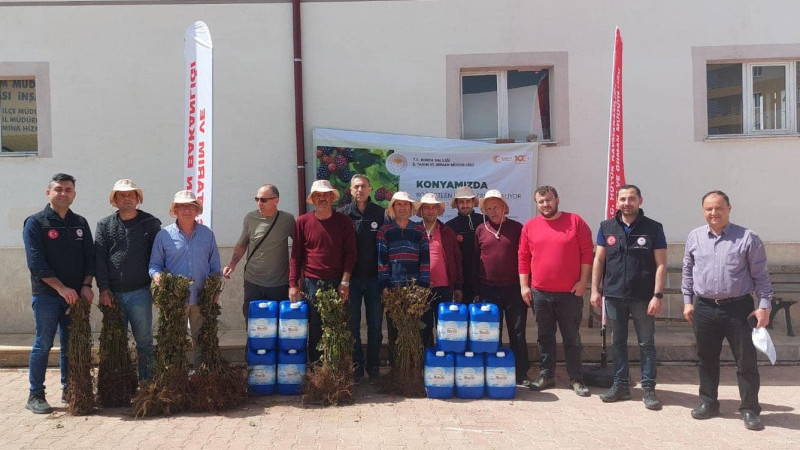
{"x": 122, "y": 253}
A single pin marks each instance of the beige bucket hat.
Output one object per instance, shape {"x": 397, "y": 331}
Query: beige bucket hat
{"x": 429, "y": 199}
{"x": 403, "y": 197}
{"x": 125, "y": 185}
{"x": 464, "y": 192}
{"x": 322, "y": 186}
{"x": 493, "y": 193}
{"x": 183, "y": 197}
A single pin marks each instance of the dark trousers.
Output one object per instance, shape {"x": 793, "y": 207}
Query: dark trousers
{"x": 559, "y": 310}
{"x": 310, "y": 287}
{"x": 712, "y": 323}
{"x": 366, "y": 290}
{"x": 509, "y": 300}
{"x": 255, "y": 292}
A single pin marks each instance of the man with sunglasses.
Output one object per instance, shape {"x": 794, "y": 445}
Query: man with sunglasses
{"x": 264, "y": 239}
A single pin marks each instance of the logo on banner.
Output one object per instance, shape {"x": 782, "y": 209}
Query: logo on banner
{"x": 611, "y": 240}
{"x": 396, "y": 164}
{"x": 52, "y": 234}
{"x": 521, "y": 158}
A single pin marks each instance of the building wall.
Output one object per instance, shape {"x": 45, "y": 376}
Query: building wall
{"x": 116, "y": 100}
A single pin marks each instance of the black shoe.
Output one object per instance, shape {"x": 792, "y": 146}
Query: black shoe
{"x": 358, "y": 375}
{"x": 650, "y": 400}
{"x": 751, "y": 420}
{"x": 542, "y": 382}
{"x": 616, "y": 393}
{"x": 374, "y": 373}
{"x": 705, "y": 411}
{"x": 579, "y": 388}
{"x": 38, "y": 405}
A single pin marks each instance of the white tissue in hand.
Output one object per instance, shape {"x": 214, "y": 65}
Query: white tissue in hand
{"x": 763, "y": 343}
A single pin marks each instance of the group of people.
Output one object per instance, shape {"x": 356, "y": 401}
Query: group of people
{"x": 361, "y": 250}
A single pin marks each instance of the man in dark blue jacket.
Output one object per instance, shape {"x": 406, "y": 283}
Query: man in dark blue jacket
{"x": 123, "y": 244}
{"x": 631, "y": 264}
{"x": 367, "y": 218}
{"x": 59, "y": 250}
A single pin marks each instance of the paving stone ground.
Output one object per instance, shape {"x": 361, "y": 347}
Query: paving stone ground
{"x": 552, "y": 419}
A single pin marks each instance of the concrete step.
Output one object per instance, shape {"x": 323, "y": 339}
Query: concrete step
{"x": 675, "y": 343}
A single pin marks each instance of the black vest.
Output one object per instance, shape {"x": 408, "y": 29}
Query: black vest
{"x": 630, "y": 270}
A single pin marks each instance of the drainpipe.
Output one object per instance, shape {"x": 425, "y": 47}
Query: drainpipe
{"x": 299, "y": 126}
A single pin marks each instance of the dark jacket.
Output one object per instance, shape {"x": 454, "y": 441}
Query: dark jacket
{"x": 630, "y": 269}
{"x": 57, "y": 247}
{"x": 466, "y": 243}
{"x": 452, "y": 256}
{"x": 366, "y": 225}
{"x": 122, "y": 251}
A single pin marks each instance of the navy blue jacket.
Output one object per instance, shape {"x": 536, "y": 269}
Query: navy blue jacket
{"x": 366, "y": 225}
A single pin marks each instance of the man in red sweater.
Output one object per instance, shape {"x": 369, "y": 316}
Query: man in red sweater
{"x": 496, "y": 245}
{"x": 447, "y": 276}
{"x": 555, "y": 250}
{"x": 323, "y": 255}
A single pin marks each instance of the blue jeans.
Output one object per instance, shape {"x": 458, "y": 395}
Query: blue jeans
{"x": 137, "y": 309}
{"x": 366, "y": 289}
{"x": 618, "y": 312}
{"x": 310, "y": 286}
{"x": 50, "y": 314}
{"x": 563, "y": 310}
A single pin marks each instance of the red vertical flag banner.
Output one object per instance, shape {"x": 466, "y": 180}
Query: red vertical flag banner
{"x": 616, "y": 166}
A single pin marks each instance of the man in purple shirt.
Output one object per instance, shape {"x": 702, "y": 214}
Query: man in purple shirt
{"x": 722, "y": 265}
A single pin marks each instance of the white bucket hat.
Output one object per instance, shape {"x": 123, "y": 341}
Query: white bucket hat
{"x": 403, "y": 197}
{"x": 125, "y": 185}
{"x": 464, "y": 192}
{"x": 322, "y": 186}
{"x": 493, "y": 193}
{"x": 184, "y": 197}
{"x": 429, "y": 199}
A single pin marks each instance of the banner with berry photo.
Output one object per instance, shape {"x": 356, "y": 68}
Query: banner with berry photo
{"x": 419, "y": 165}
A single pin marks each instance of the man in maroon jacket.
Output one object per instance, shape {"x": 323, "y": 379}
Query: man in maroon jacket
{"x": 447, "y": 276}
{"x": 496, "y": 244}
{"x": 323, "y": 255}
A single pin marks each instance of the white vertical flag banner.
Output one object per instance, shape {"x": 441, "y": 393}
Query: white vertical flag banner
{"x": 198, "y": 112}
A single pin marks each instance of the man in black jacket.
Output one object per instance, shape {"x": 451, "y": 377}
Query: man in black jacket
{"x": 631, "y": 263}
{"x": 464, "y": 224}
{"x": 123, "y": 244}
{"x": 367, "y": 218}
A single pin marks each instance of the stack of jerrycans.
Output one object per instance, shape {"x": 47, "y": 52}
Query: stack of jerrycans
{"x": 292, "y": 341}
{"x": 262, "y": 334}
{"x": 451, "y": 338}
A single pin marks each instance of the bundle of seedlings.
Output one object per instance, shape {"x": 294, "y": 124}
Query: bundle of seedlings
{"x": 80, "y": 388}
{"x": 167, "y": 393}
{"x": 215, "y": 385}
{"x": 116, "y": 376}
{"x": 330, "y": 380}
{"x": 405, "y": 305}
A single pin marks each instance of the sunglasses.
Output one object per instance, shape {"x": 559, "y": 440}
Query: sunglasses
{"x": 264, "y": 199}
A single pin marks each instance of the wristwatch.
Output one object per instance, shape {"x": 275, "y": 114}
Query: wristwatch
{"x": 658, "y": 295}
{"x": 345, "y": 283}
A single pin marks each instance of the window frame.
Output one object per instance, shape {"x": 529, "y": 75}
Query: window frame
{"x": 748, "y": 101}
{"x": 555, "y": 62}
{"x": 40, "y": 72}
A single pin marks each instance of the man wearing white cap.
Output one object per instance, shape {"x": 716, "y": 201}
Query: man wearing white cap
{"x": 402, "y": 252}
{"x": 323, "y": 255}
{"x": 496, "y": 245}
{"x": 187, "y": 248}
{"x": 464, "y": 224}
{"x": 265, "y": 241}
{"x": 122, "y": 247}
{"x": 447, "y": 276}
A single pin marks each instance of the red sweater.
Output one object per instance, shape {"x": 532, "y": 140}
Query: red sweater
{"x": 322, "y": 249}
{"x": 552, "y": 251}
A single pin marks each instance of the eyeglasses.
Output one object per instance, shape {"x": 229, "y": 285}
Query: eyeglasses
{"x": 264, "y": 199}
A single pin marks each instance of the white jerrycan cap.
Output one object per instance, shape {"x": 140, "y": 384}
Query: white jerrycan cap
{"x": 469, "y": 354}
{"x": 263, "y": 305}
{"x": 261, "y": 351}
{"x": 439, "y": 353}
{"x": 292, "y": 351}
{"x": 486, "y": 307}
{"x": 501, "y": 354}
{"x": 453, "y": 307}
{"x": 294, "y": 305}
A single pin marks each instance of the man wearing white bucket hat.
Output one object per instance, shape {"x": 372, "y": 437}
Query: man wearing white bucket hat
{"x": 447, "y": 276}
{"x": 187, "y": 248}
{"x": 555, "y": 252}
{"x": 496, "y": 245}
{"x": 323, "y": 256}
{"x": 402, "y": 251}
{"x": 123, "y": 244}
{"x": 464, "y": 224}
